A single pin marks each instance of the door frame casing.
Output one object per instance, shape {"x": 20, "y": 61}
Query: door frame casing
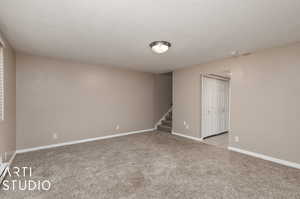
{"x": 211, "y": 75}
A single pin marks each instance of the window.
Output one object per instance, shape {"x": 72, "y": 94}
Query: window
{"x": 1, "y": 84}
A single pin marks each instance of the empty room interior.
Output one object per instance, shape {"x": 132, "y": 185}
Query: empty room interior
{"x": 150, "y": 99}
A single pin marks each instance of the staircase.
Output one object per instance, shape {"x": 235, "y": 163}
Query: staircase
{"x": 166, "y": 124}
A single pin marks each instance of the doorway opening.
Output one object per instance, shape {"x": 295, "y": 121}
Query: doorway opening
{"x": 215, "y": 120}
{"x": 163, "y": 101}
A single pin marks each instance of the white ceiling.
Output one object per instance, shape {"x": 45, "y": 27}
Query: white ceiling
{"x": 118, "y": 32}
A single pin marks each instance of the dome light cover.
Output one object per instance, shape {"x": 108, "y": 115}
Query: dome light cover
{"x": 160, "y": 47}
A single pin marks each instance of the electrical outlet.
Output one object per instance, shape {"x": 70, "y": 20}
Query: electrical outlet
{"x": 236, "y": 139}
{"x": 184, "y": 123}
{"x": 55, "y": 136}
{"x": 117, "y": 127}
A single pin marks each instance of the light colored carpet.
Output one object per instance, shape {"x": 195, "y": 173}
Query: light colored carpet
{"x": 219, "y": 140}
{"x": 155, "y": 165}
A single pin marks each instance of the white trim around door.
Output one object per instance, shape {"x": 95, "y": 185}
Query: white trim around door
{"x": 215, "y": 105}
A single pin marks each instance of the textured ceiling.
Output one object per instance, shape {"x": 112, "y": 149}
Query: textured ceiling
{"x": 117, "y": 33}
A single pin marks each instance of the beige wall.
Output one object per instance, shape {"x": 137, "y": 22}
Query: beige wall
{"x": 8, "y": 126}
{"x": 265, "y": 100}
{"x": 78, "y": 101}
{"x": 162, "y": 95}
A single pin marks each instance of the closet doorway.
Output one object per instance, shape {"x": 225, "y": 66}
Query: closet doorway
{"x": 215, "y": 109}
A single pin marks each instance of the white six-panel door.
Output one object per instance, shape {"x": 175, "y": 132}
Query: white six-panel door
{"x": 215, "y": 106}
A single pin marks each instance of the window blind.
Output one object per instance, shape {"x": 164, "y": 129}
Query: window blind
{"x": 1, "y": 84}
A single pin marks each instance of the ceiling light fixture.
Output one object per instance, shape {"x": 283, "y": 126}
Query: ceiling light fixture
{"x": 160, "y": 47}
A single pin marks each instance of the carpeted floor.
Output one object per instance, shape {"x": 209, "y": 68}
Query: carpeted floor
{"x": 218, "y": 140}
{"x": 154, "y": 165}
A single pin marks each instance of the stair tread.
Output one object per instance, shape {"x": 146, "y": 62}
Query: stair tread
{"x": 165, "y": 129}
{"x": 167, "y": 121}
{"x": 165, "y": 126}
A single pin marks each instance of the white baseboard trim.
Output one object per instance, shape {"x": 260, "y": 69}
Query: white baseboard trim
{"x": 5, "y": 165}
{"x": 81, "y": 141}
{"x": 188, "y": 137}
{"x": 265, "y": 157}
